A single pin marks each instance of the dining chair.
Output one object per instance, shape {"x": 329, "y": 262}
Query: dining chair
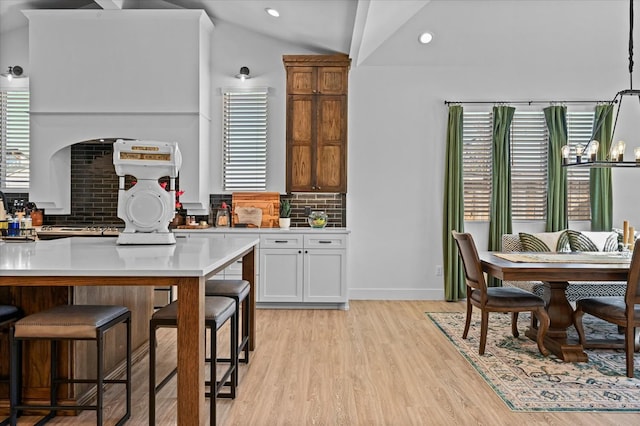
{"x": 622, "y": 311}
{"x": 496, "y": 299}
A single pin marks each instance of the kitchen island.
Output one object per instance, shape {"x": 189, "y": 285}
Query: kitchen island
{"x": 88, "y": 261}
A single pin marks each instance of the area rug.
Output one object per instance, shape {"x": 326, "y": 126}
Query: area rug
{"x": 527, "y": 381}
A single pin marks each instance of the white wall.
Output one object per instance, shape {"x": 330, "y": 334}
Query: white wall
{"x": 396, "y": 165}
{"x": 14, "y": 50}
{"x": 232, "y": 48}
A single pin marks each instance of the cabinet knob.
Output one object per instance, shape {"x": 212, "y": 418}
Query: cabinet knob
{"x": 306, "y": 251}
{"x": 299, "y": 251}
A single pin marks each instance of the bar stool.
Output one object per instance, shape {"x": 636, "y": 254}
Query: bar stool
{"x": 8, "y": 315}
{"x": 70, "y": 322}
{"x": 238, "y": 290}
{"x": 217, "y": 310}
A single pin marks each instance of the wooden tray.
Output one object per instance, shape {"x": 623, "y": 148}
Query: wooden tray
{"x": 268, "y": 202}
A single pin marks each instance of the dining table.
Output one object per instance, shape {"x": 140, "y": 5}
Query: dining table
{"x": 187, "y": 264}
{"x": 556, "y": 270}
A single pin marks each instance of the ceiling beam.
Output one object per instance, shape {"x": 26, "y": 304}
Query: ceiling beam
{"x": 376, "y": 21}
{"x": 110, "y": 4}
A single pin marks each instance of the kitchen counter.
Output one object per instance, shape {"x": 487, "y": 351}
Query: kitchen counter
{"x": 296, "y": 230}
{"x": 96, "y": 261}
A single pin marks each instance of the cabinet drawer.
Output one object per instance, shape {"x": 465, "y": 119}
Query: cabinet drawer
{"x": 334, "y": 241}
{"x": 280, "y": 241}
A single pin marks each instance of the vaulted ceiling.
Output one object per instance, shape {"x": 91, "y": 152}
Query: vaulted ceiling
{"x": 384, "y": 32}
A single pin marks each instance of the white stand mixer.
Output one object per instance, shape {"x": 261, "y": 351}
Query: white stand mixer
{"x": 146, "y": 207}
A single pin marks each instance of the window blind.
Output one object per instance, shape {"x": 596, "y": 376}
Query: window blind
{"x": 579, "y": 129}
{"x": 529, "y": 144}
{"x": 14, "y": 140}
{"x": 476, "y": 164}
{"x": 245, "y": 140}
{"x": 529, "y": 154}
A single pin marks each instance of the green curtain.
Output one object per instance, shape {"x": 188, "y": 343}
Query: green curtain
{"x": 600, "y": 178}
{"x": 455, "y": 287}
{"x": 500, "y": 209}
{"x": 557, "y": 215}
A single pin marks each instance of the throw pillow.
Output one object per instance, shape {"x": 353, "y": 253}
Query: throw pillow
{"x": 544, "y": 241}
{"x": 593, "y": 241}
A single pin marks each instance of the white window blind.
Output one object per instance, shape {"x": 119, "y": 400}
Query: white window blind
{"x": 529, "y": 145}
{"x": 579, "y": 129}
{"x": 245, "y": 140}
{"x": 529, "y": 153}
{"x": 14, "y": 140}
{"x": 476, "y": 164}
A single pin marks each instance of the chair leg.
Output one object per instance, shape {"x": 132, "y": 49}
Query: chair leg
{"x": 577, "y": 323}
{"x": 213, "y": 367}
{"x": 246, "y": 321}
{"x": 629, "y": 346}
{"x": 468, "y": 320}
{"x": 544, "y": 322}
{"x": 514, "y": 324}
{"x": 484, "y": 324}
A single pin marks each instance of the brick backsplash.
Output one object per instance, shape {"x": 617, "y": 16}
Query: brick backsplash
{"x": 334, "y": 205}
{"x": 94, "y": 193}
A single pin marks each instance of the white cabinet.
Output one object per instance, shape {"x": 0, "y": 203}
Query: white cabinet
{"x": 299, "y": 268}
{"x": 281, "y": 268}
{"x": 307, "y": 269}
{"x": 325, "y": 269}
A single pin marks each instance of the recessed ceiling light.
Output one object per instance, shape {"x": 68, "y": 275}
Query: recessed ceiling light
{"x": 425, "y": 38}
{"x": 272, "y": 12}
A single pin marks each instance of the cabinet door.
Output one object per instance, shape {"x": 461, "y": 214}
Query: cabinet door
{"x": 332, "y": 80}
{"x": 301, "y": 80}
{"x": 300, "y": 142}
{"x": 331, "y": 143}
{"x": 280, "y": 275}
{"x": 325, "y": 276}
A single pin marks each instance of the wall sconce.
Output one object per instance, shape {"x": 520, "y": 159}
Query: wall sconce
{"x": 243, "y": 74}
{"x": 14, "y": 71}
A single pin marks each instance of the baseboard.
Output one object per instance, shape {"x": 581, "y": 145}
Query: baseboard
{"x": 395, "y": 294}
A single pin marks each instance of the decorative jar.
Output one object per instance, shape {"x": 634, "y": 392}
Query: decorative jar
{"x": 318, "y": 219}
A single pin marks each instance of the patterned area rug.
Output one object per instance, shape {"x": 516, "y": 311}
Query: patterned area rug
{"x": 527, "y": 381}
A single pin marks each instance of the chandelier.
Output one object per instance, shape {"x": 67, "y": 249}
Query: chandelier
{"x": 587, "y": 156}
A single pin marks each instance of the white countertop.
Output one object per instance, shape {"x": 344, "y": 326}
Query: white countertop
{"x": 293, "y": 230}
{"x": 97, "y": 256}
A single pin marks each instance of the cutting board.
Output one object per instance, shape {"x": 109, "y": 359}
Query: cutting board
{"x": 268, "y": 202}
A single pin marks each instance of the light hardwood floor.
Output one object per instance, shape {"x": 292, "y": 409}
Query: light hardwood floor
{"x": 379, "y": 363}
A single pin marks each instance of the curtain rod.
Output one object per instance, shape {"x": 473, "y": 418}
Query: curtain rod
{"x": 528, "y": 102}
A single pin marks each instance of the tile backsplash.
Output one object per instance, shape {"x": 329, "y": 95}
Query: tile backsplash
{"x": 94, "y": 193}
{"x": 334, "y": 205}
